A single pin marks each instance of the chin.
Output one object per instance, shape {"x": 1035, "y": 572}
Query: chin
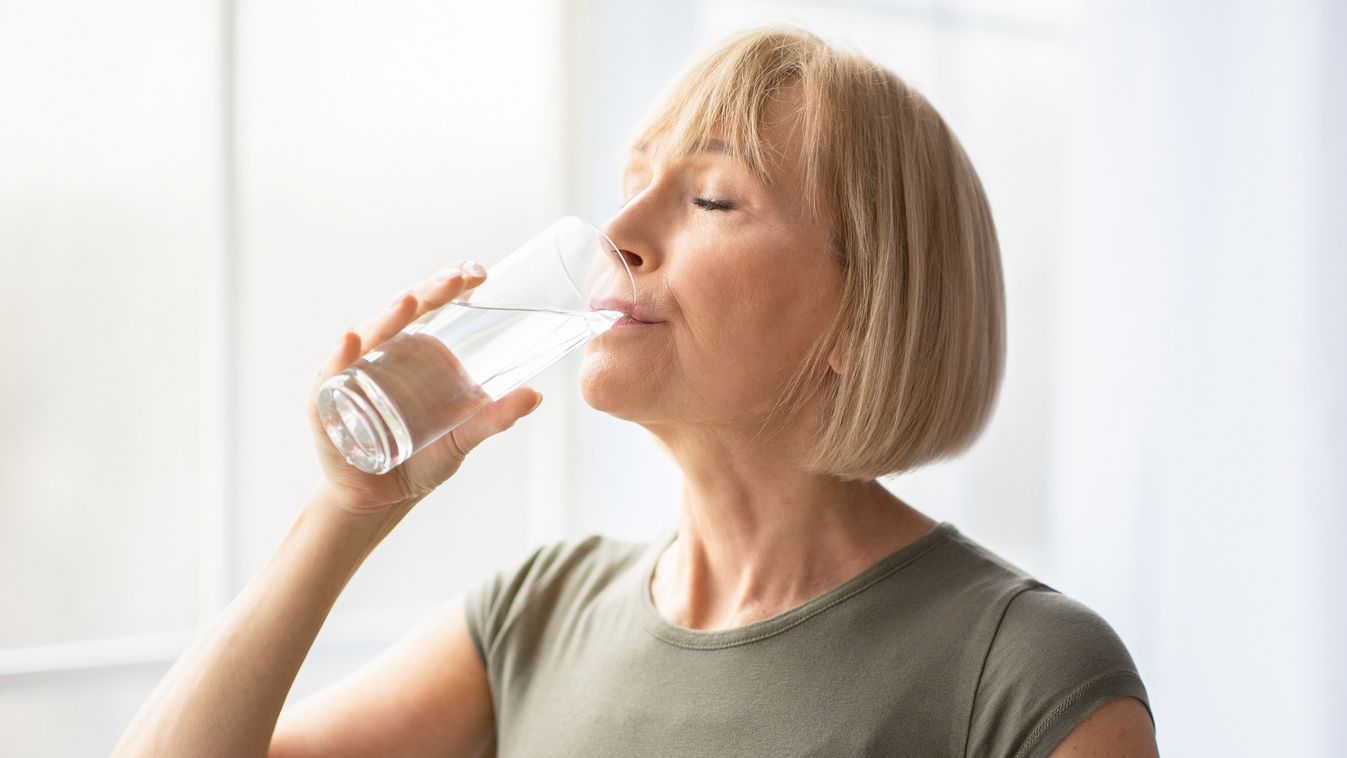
{"x": 613, "y": 387}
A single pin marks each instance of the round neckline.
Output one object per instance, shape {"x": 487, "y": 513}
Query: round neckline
{"x": 704, "y": 639}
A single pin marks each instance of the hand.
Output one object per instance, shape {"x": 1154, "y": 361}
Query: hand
{"x": 420, "y": 474}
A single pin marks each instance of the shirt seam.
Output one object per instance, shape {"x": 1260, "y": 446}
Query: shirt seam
{"x": 986, "y": 656}
{"x": 1053, "y": 715}
{"x": 657, "y": 633}
{"x": 516, "y": 611}
{"x": 564, "y": 551}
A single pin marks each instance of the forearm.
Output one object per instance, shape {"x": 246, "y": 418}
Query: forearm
{"x": 223, "y": 695}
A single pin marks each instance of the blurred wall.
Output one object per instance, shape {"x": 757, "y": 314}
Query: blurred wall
{"x": 195, "y": 199}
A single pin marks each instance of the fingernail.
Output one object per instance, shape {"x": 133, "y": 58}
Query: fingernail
{"x": 397, "y": 300}
{"x": 536, "y": 403}
{"x": 474, "y": 268}
{"x": 448, "y": 272}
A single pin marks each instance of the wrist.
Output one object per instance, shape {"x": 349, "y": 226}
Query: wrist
{"x": 356, "y": 505}
{"x": 349, "y": 520}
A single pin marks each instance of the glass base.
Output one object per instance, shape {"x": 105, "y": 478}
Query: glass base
{"x": 354, "y": 422}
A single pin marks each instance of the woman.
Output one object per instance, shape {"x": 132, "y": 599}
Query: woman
{"x": 819, "y": 271}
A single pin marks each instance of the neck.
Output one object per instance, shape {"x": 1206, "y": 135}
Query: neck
{"x": 757, "y": 538}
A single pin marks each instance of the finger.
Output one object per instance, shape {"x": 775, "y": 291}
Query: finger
{"x": 493, "y": 419}
{"x": 343, "y": 355}
{"x": 449, "y": 283}
{"x": 424, "y": 298}
{"x": 393, "y": 319}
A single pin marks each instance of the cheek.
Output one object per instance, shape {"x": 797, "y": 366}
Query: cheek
{"x": 751, "y": 325}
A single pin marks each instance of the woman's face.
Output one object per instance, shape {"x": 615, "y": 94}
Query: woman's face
{"x": 739, "y": 281}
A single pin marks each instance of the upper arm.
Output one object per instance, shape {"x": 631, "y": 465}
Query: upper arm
{"x": 428, "y": 694}
{"x": 1121, "y": 728}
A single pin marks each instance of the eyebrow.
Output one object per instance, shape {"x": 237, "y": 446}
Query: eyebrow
{"x": 707, "y": 146}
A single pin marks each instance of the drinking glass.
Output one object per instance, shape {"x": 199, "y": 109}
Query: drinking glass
{"x": 533, "y": 308}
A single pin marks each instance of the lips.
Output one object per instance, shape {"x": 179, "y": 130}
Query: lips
{"x": 627, "y": 322}
{"x": 629, "y": 311}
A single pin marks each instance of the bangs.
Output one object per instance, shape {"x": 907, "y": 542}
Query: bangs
{"x": 728, "y": 96}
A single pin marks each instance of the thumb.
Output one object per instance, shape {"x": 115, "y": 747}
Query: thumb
{"x": 495, "y": 418}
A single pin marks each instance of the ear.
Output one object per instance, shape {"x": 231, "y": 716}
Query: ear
{"x": 839, "y": 357}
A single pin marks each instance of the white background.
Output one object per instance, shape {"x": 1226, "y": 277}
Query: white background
{"x": 195, "y": 198}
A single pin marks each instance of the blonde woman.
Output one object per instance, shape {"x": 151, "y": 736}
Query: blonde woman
{"x": 819, "y": 275}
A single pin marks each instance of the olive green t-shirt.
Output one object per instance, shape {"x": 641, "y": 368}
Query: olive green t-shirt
{"x": 939, "y": 649}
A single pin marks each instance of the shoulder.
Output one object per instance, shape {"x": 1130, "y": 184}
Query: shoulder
{"x": 1038, "y": 632}
{"x": 1046, "y": 633}
{"x": 552, "y": 575}
{"x": 1052, "y": 663}
{"x": 559, "y": 561}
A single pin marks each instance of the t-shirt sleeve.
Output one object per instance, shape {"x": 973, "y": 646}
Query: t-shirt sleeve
{"x": 528, "y": 590}
{"x": 1052, "y": 662}
{"x": 487, "y": 604}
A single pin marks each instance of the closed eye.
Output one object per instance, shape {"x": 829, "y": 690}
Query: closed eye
{"x": 712, "y": 205}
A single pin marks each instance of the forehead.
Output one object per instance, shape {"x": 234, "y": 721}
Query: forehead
{"x": 653, "y": 149}
{"x": 706, "y": 145}
{"x": 772, "y": 142}
{"x": 764, "y": 135}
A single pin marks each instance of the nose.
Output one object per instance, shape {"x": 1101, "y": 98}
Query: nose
{"x": 638, "y": 230}
{"x": 618, "y": 232}
{"x": 633, "y": 260}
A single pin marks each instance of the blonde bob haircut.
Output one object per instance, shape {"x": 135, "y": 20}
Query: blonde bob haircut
{"x": 921, "y": 322}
